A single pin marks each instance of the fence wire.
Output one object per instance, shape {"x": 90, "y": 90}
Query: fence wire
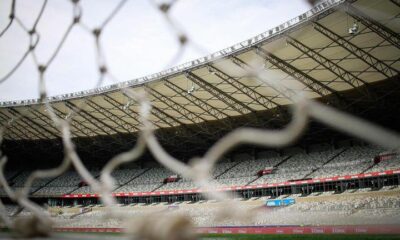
{"x": 170, "y": 226}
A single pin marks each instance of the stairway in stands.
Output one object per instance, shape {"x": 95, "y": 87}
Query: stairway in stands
{"x": 130, "y": 180}
{"x": 328, "y": 161}
{"x": 44, "y": 185}
{"x": 158, "y": 187}
{"x": 258, "y": 177}
{"x": 228, "y": 169}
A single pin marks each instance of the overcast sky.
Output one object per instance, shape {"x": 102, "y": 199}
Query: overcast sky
{"x": 137, "y": 42}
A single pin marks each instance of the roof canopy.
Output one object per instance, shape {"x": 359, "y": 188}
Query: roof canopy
{"x": 313, "y": 53}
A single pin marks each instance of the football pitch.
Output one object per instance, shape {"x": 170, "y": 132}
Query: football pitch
{"x": 120, "y": 236}
{"x": 300, "y": 237}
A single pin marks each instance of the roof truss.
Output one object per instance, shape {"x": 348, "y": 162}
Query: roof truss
{"x": 372, "y": 61}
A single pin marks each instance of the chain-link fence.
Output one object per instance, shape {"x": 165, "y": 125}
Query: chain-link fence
{"x": 169, "y": 225}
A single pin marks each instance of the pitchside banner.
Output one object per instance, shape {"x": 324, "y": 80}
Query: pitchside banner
{"x": 280, "y": 202}
{"x": 361, "y": 229}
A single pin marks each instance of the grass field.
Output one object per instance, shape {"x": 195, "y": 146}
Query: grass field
{"x": 120, "y": 236}
{"x": 300, "y": 237}
{"x": 313, "y": 237}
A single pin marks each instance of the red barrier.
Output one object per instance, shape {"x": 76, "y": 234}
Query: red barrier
{"x": 304, "y": 230}
{"x": 89, "y": 230}
{"x": 356, "y": 229}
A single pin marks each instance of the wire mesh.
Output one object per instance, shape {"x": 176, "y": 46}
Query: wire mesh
{"x": 169, "y": 225}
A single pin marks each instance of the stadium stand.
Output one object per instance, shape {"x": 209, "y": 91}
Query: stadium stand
{"x": 246, "y": 171}
{"x": 312, "y": 54}
{"x": 123, "y": 176}
{"x": 298, "y": 166}
{"x": 241, "y": 170}
{"x": 393, "y": 163}
{"x": 352, "y": 161}
{"x": 149, "y": 181}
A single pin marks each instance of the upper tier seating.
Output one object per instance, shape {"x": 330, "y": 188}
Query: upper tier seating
{"x": 298, "y": 166}
{"x": 246, "y": 171}
{"x": 219, "y": 169}
{"x": 390, "y": 164}
{"x": 122, "y": 176}
{"x": 65, "y": 183}
{"x": 148, "y": 181}
{"x": 354, "y": 160}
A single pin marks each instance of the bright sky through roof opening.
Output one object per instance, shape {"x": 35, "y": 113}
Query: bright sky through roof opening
{"x": 137, "y": 42}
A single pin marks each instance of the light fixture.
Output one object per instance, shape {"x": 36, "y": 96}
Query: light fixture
{"x": 67, "y": 116}
{"x": 354, "y": 29}
{"x": 126, "y": 106}
{"x": 211, "y": 70}
{"x": 192, "y": 88}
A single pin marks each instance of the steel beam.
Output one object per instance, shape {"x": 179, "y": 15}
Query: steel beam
{"x": 251, "y": 93}
{"x": 185, "y": 113}
{"x": 110, "y": 116}
{"x": 29, "y": 122}
{"x": 233, "y": 103}
{"x": 11, "y": 135}
{"x": 165, "y": 117}
{"x": 170, "y": 120}
{"x": 8, "y": 134}
{"x": 396, "y": 2}
{"x": 206, "y": 107}
{"x": 162, "y": 116}
{"x": 126, "y": 112}
{"x": 299, "y": 75}
{"x": 25, "y": 127}
{"x": 76, "y": 125}
{"x": 383, "y": 31}
{"x": 14, "y": 130}
{"x": 100, "y": 125}
{"x": 372, "y": 61}
{"x": 288, "y": 93}
{"x": 44, "y": 119}
{"x": 337, "y": 70}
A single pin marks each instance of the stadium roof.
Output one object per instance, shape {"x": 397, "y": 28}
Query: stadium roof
{"x": 313, "y": 52}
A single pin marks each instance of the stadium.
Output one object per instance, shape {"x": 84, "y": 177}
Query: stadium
{"x": 293, "y": 132}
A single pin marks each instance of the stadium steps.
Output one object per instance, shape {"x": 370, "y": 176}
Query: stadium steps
{"x": 162, "y": 184}
{"x": 12, "y": 178}
{"x": 360, "y": 207}
{"x": 81, "y": 213}
{"x": 253, "y": 180}
{"x": 234, "y": 165}
{"x": 16, "y": 212}
{"x": 130, "y": 180}
{"x": 328, "y": 161}
{"x": 134, "y": 177}
{"x": 283, "y": 161}
{"x": 73, "y": 190}
{"x": 45, "y": 185}
{"x": 368, "y": 168}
